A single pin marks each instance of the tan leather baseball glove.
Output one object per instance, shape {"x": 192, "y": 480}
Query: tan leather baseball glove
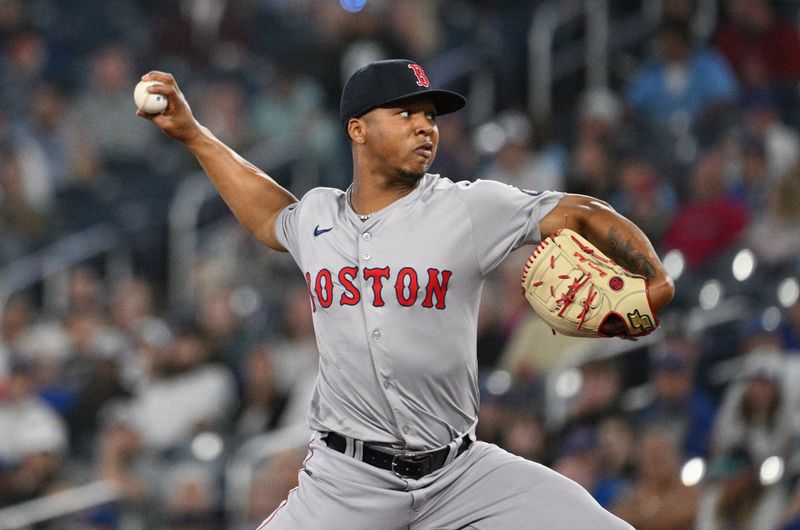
{"x": 577, "y": 289}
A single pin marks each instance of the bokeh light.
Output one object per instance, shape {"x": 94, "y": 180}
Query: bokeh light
{"x": 354, "y": 6}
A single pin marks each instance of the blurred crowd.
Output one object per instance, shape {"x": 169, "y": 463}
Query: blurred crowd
{"x": 696, "y": 139}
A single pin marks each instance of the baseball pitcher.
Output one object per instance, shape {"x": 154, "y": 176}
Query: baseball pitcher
{"x": 394, "y": 267}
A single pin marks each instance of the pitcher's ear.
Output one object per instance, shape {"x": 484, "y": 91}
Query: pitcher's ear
{"x": 356, "y": 129}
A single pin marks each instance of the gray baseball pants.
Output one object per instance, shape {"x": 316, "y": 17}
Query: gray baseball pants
{"x": 484, "y": 488}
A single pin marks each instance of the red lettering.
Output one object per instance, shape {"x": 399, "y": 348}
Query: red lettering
{"x": 422, "y": 79}
{"x": 310, "y": 294}
{"x": 439, "y": 288}
{"x": 400, "y": 286}
{"x": 377, "y": 276}
{"x": 351, "y": 296}
{"x": 324, "y": 293}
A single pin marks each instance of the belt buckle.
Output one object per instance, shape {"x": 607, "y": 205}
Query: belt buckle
{"x": 413, "y": 458}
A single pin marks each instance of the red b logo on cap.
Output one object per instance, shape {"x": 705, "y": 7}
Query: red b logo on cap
{"x": 422, "y": 79}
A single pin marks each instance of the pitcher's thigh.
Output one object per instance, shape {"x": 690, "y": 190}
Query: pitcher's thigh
{"x": 501, "y": 490}
{"x": 335, "y": 494}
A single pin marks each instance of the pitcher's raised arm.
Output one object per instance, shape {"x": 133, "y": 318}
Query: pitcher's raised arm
{"x": 253, "y": 197}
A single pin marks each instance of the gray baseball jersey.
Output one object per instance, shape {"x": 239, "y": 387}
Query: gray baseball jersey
{"x": 395, "y": 303}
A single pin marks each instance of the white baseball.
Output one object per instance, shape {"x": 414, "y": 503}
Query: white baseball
{"x": 150, "y": 103}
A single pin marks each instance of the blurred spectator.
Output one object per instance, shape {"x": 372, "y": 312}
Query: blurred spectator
{"x": 710, "y": 222}
{"x": 763, "y": 121}
{"x": 599, "y": 394}
{"x": 755, "y": 337}
{"x": 491, "y": 339}
{"x": 261, "y": 404}
{"x": 106, "y": 112}
{"x": 789, "y": 328}
{"x": 15, "y": 317}
{"x": 593, "y": 169}
{"x": 223, "y": 326}
{"x": 131, "y": 303}
{"x": 25, "y": 58}
{"x": 416, "y": 23}
{"x": 617, "y": 443}
{"x": 84, "y": 329}
{"x": 48, "y": 139}
{"x": 191, "y": 498}
{"x": 643, "y": 197}
{"x": 85, "y": 291}
{"x": 525, "y": 436}
{"x": 14, "y": 15}
{"x": 288, "y": 113}
{"x": 493, "y": 418}
{"x": 678, "y": 10}
{"x": 679, "y": 405}
{"x": 736, "y": 498}
{"x": 791, "y": 514}
{"x": 581, "y": 461}
{"x": 599, "y": 117}
{"x": 773, "y": 235}
{"x": 118, "y": 447}
{"x": 33, "y": 439}
{"x": 296, "y": 356}
{"x": 754, "y": 413}
{"x": 658, "y": 500}
{"x": 221, "y": 105}
{"x": 102, "y": 384}
{"x": 680, "y": 87}
{"x": 152, "y": 341}
{"x": 454, "y": 159}
{"x": 750, "y": 38}
{"x": 517, "y": 162}
{"x": 46, "y": 345}
{"x": 754, "y": 181}
{"x": 24, "y": 208}
{"x": 187, "y": 394}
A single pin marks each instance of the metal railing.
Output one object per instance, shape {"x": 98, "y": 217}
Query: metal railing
{"x": 603, "y": 36}
{"x": 61, "y": 504}
{"x": 50, "y": 265}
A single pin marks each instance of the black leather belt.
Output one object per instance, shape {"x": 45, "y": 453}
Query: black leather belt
{"x": 404, "y": 465}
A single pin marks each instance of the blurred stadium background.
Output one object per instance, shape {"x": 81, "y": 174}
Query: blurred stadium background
{"x": 155, "y": 362}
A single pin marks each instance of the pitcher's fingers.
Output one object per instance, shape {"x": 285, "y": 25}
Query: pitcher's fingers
{"x": 164, "y": 89}
{"x": 163, "y": 77}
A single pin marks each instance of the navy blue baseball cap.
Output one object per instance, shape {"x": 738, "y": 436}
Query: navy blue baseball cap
{"x": 384, "y": 82}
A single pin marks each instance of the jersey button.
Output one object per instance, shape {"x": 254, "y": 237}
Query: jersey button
{"x": 386, "y": 383}
{"x": 405, "y": 429}
{"x": 367, "y": 256}
{"x": 376, "y": 335}
{"x": 367, "y": 236}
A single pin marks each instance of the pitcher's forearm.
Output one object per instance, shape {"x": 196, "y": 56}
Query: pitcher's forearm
{"x": 253, "y": 197}
{"x": 623, "y": 241}
{"x": 617, "y": 237}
